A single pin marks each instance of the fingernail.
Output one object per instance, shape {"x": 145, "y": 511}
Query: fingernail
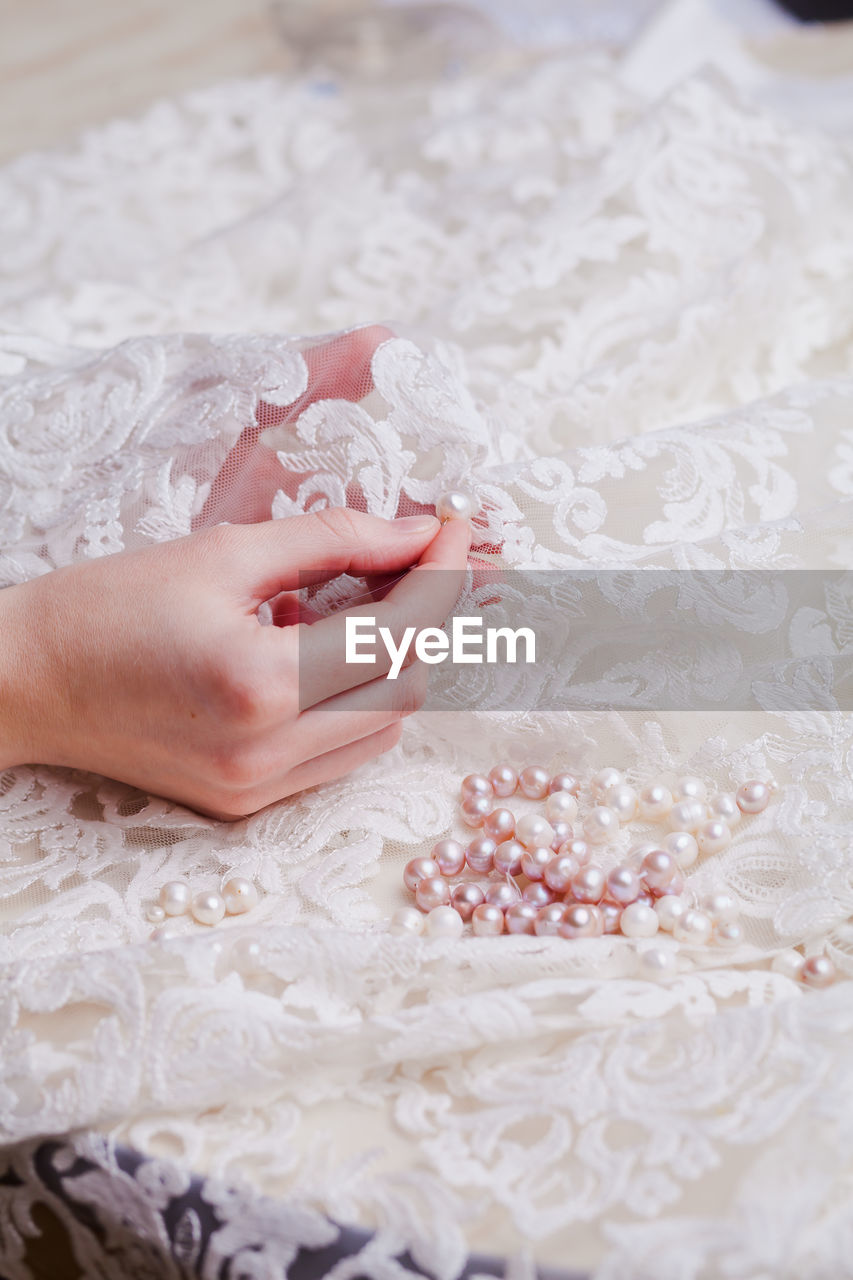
{"x": 416, "y": 524}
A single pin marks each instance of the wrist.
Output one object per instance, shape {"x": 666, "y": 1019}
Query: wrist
{"x": 18, "y": 739}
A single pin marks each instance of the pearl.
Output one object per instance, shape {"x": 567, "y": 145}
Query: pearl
{"x": 561, "y": 806}
{"x": 789, "y": 963}
{"x": 693, "y": 928}
{"x": 623, "y": 885}
{"x": 432, "y": 892}
{"x": 563, "y": 831}
{"x": 637, "y": 852}
{"x": 725, "y": 806}
{"x": 417, "y": 870}
{"x": 537, "y": 893}
{"x": 480, "y": 854}
{"x": 714, "y": 836}
{"x": 247, "y": 956}
{"x": 611, "y": 916}
{"x": 521, "y": 918}
{"x": 690, "y": 789}
{"x": 560, "y": 872}
{"x": 582, "y": 921}
{"x": 456, "y": 505}
{"x": 588, "y": 885}
{"x": 155, "y": 914}
{"x": 500, "y": 825}
{"x": 208, "y": 907}
{"x": 683, "y": 847}
{"x": 240, "y": 895}
{"x": 577, "y": 849}
{"x": 534, "y": 831}
{"x": 475, "y": 810}
{"x": 658, "y": 869}
{"x": 504, "y": 780}
{"x": 164, "y": 933}
{"x": 475, "y": 784}
{"x": 728, "y": 933}
{"x": 654, "y": 802}
{"x": 622, "y": 799}
{"x": 465, "y": 898}
{"x": 687, "y": 815}
{"x": 175, "y": 897}
{"x": 488, "y": 921}
{"x": 449, "y": 855}
{"x": 549, "y": 919}
{"x": 818, "y": 971}
{"x": 535, "y": 861}
{"x": 639, "y": 921}
{"x": 670, "y": 910}
{"x": 443, "y": 922}
{"x": 753, "y": 797}
{"x": 508, "y": 856}
{"x": 504, "y": 894}
{"x": 564, "y": 782}
{"x": 600, "y": 824}
{"x": 407, "y": 920}
{"x": 605, "y": 779}
{"x": 533, "y": 782}
{"x": 720, "y": 906}
{"x": 658, "y": 962}
{"x": 675, "y": 886}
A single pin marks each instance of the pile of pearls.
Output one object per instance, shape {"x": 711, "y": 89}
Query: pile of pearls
{"x": 238, "y": 895}
{"x": 537, "y": 874}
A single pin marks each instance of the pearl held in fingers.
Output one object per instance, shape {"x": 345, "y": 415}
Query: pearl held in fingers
{"x": 208, "y": 907}
{"x": 456, "y": 505}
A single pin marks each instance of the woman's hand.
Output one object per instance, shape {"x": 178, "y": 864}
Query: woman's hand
{"x": 151, "y": 666}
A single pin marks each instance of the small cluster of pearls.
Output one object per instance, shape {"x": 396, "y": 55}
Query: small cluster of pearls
{"x": 238, "y": 895}
{"x": 563, "y": 891}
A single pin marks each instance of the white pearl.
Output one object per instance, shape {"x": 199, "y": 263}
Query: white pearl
{"x": 561, "y": 806}
{"x": 728, "y": 933}
{"x": 725, "y": 806}
{"x": 683, "y": 847}
{"x": 456, "y": 505}
{"x": 690, "y": 788}
{"x": 164, "y": 932}
{"x": 155, "y": 914}
{"x": 789, "y": 963}
{"x": 534, "y": 831}
{"x": 687, "y": 815}
{"x": 599, "y": 824}
{"x": 605, "y": 779}
{"x": 240, "y": 895}
{"x": 713, "y": 836}
{"x": 818, "y": 971}
{"x": 638, "y": 921}
{"x": 753, "y": 797}
{"x": 622, "y": 799}
{"x": 658, "y": 962}
{"x": 444, "y": 922}
{"x": 638, "y": 851}
{"x": 720, "y": 906}
{"x": 670, "y": 909}
{"x": 408, "y": 920}
{"x": 175, "y": 897}
{"x": 693, "y": 928}
{"x": 246, "y": 954}
{"x": 208, "y": 907}
{"x": 654, "y": 802}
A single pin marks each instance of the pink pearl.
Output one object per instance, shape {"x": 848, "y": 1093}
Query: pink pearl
{"x": 535, "y": 861}
{"x": 487, "y": 921}
{"x": 533, "y": 782}
{"x": 419, "y": 869}
{"x": 561, "y": 807}
{"x": 564, "y": 782}
{"x": 504, "y": 780}
{"x": 753, "y": 797}
{"x": 503, "y": 894}
{"x": 508, "y": 857}
{"x": 675, "y": 886}
{"x": 611, "y": 916}
{"x": 588, "y": 884}
{"x": 817, "y": 971}
{"x": 432, "y": 892}
{"x": 563, "y": 831}
{"x": 450, "y": 856}
{"x": 476, "y": 785}
{"x": 560, "y": 872}
{"x": 500, "y": 825}
{"x": 475, "y": 810}
{"x": 582, "y": 921}
{"x": 521, "y": 918}
{"x": 658, "y": 868}
{"x": 537, "y": 893}
{"x": 549, "y": 919}
{"x": 465, "y": 897}
{"x": 623, "y": 885}
{"x": 577, "y": 849}
{"x": 637, "y": 852}
{"x": 480, "y": 853}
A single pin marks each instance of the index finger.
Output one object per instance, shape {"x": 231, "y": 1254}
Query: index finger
{"x": 422, "y": 598}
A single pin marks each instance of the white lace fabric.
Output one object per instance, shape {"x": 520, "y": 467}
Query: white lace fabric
{"x": 628, "y": 325}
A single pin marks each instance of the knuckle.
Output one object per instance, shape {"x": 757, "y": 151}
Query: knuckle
{"x": 238, "y": 696}
{"x": 412, "y": 690}
{"x": 342, "y": 522}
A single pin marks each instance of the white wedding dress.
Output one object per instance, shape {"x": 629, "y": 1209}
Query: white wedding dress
{"x": 624, "y": 320}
